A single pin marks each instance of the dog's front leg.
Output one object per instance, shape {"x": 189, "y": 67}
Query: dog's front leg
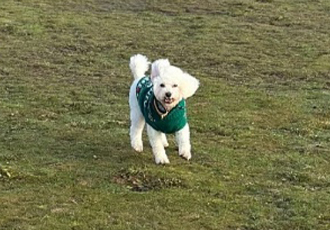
{"x": 156, "y": 142}
{"x": 183, "y": 140}
{"x": 164, "y": 140}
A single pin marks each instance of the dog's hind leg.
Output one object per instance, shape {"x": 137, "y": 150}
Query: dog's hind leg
{"x": 136, "y": 129}
{"x": 136, "y": 134}
{"x": 137, "y": 120}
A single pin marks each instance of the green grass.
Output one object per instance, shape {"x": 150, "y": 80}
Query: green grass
{"x": 260, "y": 121}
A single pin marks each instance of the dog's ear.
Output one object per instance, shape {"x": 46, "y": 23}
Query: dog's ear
{"x": 188, "y": 85}
{"x": 158, "y": 66}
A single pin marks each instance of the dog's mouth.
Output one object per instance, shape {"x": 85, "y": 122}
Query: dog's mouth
{"x": 168, "y": 100}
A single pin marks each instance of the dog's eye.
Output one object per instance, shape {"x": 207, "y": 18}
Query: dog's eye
{"x": 162, "y": 85}
{"x": 175, "y": 85}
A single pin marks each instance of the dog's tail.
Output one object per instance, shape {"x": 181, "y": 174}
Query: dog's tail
{"x": 139, "y": 64}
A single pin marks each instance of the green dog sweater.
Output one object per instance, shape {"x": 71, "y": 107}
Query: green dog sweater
{"x": 155, "y": 114}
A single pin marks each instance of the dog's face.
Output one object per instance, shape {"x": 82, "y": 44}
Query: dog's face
{"x": 171, "y": 84}
{"x": 167, "y": 91}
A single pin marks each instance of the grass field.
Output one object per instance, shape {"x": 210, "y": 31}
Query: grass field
{"x": 260, "y": 121}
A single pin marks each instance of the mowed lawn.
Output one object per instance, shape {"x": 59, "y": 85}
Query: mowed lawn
{"x": 260, "y": 122}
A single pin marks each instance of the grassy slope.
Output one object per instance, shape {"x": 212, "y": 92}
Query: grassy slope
{"x": 260, "y": 121}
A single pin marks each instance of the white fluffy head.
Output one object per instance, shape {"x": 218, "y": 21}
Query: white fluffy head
{"x": 171, "y": 84}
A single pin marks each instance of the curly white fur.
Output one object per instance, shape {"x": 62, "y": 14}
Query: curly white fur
{"x": 170, "y": 85}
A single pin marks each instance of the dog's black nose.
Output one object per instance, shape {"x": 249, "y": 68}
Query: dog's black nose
{"x": 168, "y": 94}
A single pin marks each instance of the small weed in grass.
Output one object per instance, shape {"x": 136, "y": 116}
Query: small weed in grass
{"x": 143, "y": 181}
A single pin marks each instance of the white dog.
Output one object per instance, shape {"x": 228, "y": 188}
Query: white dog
{"x": 159, "y": 101}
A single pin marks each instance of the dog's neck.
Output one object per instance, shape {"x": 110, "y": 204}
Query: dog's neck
{"x": 160, "y": 109}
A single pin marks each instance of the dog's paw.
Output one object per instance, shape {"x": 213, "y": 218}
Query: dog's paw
{"x": 161, "y": 159}
{"x": 137, "y": 146}
{"x": 185, "y": 154}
